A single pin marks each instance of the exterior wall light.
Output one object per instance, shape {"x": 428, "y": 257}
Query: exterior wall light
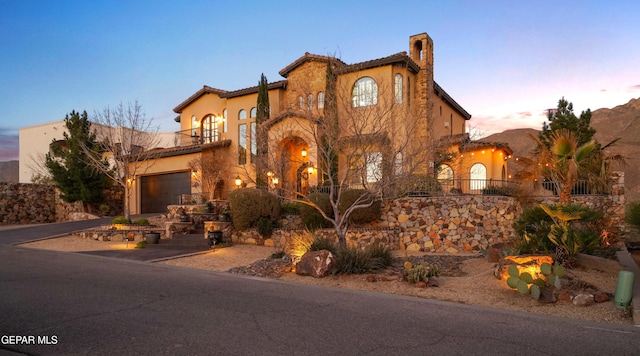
{"x": 304, "y": 152}
{"x": 238, "y": 181}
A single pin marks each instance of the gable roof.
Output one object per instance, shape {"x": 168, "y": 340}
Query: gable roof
{"x": 308, "y": 57}
{"x": 205, "y": 90}
{"x": 443, "y": 94}
{"x": 240, "y": 92}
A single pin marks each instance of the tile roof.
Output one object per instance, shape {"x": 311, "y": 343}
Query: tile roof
{"x": 400, "y": 57}
{"x": 443, "y": 94}
{"x": 308, "y": 57}
{"x": 240, "y": 92}
{"x": 183, "y": 150}
{"x": 205, "y": 90}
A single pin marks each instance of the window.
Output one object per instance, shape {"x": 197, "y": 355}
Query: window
{"x": 398, "y": 164}
{"x": 408, "y": 91}
{"x": 301, "y": 102}
{"x": 478, "y": 176}
{"x": 242, "y": 144}
{"x": 209, "y": 129}
{"x": 253, "y": 113}
{"x": 320, "y": 100}
{"x": 310, "y": 101}
{"x": 224, "y": 120}
{"x": 194, "y": 126}
{"x": 398, "y": 89}
{"x": 242, "y": 114}
{"x": 445, "y": 173}
{"x": 254, "y": 144}
{"x": 374, "y": 167}
{"x": 365, "y": 92}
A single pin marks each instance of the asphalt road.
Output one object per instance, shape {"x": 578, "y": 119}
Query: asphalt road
{"x": 92, "y": 305}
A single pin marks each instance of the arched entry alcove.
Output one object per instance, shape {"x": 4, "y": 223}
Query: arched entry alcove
{"x": 293, "y": 163}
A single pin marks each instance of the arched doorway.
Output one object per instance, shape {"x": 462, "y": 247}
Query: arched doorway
{"x": 292, "y": 165}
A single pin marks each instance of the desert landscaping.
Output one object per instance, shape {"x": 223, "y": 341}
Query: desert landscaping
{"x": 465, "y": 278}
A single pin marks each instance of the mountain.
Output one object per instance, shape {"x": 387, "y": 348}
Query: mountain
{"x": 622, "y": 122}
{"x": 9, "y": 171}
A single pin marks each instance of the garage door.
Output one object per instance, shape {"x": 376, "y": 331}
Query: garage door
{"x": 156, "y": 192}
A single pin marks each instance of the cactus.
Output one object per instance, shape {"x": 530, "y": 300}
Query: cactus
{"x": 420, "y": 272}
{"x": 553, "y": 274}
{"x": 535, "y": 291}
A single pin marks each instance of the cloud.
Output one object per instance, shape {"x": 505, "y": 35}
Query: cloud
{"x": 9, "y": 146}
{"x": 634, "y": 87}
{"x": 489, "y": 124}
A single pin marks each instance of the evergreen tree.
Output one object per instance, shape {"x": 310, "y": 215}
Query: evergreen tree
{"x": 69, "y": 166}
{"x": 564, "y": 118}
{"x": 263, "y": 112}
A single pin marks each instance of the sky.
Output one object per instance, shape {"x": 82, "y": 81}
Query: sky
{"x": 504, "y": 62}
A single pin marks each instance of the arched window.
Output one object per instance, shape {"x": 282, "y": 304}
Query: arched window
{"x": 310, "y": 101}
{"x": 478, "y": 174}
{"x": 224, "y": 120}
{"x": 301, "y": 102}
{"x": 242, "y": 114}
{"x": 209, "y": 129}
{"x": 504, "y": 172}
{"x": 445, "y": 173}
{"x": 398, "y": 89}
{"x": 320, "y": 100}
{"x": 253, "y": 113}
{"x": 365, "y": 92}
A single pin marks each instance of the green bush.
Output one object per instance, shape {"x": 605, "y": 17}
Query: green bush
{"x": 533, "y": 227}
{"x": 141, "y": 221}
{"x": 352, "y": 260}
{"x": 361, "y": 215}
{"x": 289, "y": 208}
{"x": 265, "y": 226}
{"x": 249, "y": 204}
{"x": 311, "y": 218}
{"x": 120, "y": 220}
{"x": 323, "y": 244}
{"x": 633, "y": 214}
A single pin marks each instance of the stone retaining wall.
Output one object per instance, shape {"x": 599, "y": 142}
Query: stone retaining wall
{"x": 27, "y": 203}
{"x": 449, "y": 224}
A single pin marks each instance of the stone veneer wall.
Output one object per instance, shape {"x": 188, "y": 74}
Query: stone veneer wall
{"x": 27, "y": 203}
{"x": 448, "y": 224}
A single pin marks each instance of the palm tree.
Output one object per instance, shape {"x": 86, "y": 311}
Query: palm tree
{"x": 563, "y": 162}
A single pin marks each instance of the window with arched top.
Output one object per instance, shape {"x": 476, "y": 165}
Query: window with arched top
{"x": 210, "y": 129}
{"x": 253, "y": 113}
{"x": 301, "y": 102}
{"x": 445, "y": 177}
{"x": 365, "y": 92}
{"x": 320, "y": 100}
{"x": 398, "y": 89}
{"x": 310, "y": 101}
{"x": 242, "y": 114}
{"x": 224, "y": 120}
{"x": 194, "y": 126}
{"x": 478, "y": 175}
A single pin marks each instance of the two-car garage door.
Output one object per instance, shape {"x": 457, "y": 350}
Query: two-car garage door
{"x": 158, "y": 191}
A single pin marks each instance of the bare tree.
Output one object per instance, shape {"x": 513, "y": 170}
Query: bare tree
{"x": 356, "y": 143}
{"x": 211, "y": 168}
{"x": 128, "y": 136}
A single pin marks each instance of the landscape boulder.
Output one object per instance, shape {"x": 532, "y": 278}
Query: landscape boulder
{"x": 316, "y": 263}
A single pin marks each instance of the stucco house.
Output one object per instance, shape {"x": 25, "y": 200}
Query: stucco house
{"x": 396, "y": 96}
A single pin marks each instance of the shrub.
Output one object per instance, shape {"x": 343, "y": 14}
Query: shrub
{"x": 533, "y": 227}
{"x": 633, "y": 214}
{"x": 323, "y": 244}
{"x": 310, "y": 216}
{"x": 288, "y": 208}
{"x": 141, "y": 221}
{"x": 248, "y": 205}
{"x": 120, "y": 220}
{"x": 265, "y": 226}
{"x": 352, "y": 260}
{"x": 361, "y": 215}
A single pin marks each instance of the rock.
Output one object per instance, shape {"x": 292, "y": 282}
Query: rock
{"x": 547, "y": 296}
{"x": 583, "y": 300}
{"x": 494, "y": 252}
{"x": 601, "y": 297}
{"x": 315, "y": 263}
{"x": 371, "y": 278}
{"x": 565, "y": 296}
{"x": 433, "y": 282}
{"x": 421, "y": 284}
